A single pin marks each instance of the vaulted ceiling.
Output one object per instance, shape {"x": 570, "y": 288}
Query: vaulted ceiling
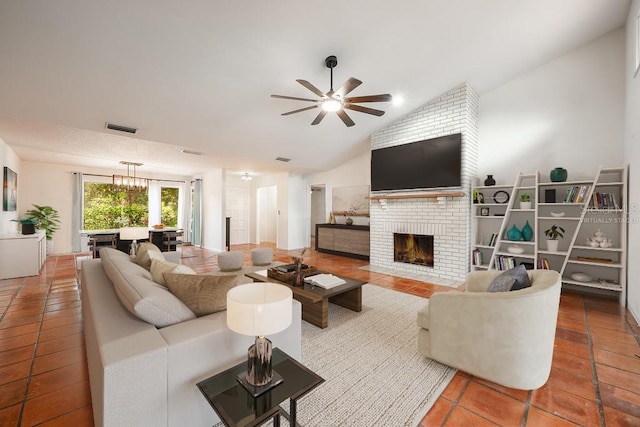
{"x": 198, "y": 75}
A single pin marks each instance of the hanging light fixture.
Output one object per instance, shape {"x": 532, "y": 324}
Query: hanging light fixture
{"x": 130, "y": 182}
{"x": 246, "y": 177}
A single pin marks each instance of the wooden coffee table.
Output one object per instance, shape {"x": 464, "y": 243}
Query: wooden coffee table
{"x": 315, "y": 300}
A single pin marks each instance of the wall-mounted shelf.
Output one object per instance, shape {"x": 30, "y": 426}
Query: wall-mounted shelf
{"x": 417, "y": 196}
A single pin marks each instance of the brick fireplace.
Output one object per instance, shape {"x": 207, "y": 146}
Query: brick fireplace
{"x": 446, "y": 219}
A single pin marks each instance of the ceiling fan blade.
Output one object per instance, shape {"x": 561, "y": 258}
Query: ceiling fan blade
{"x": 370, "y": 98}
{"x": 319, "y": 117}
{"x": 294, "y": 98}
{"x": 364, "y": 109}
{"x": 348, "y": 86}
{"x": 311, "y": 87}
{"x": 345, "y": 118}
{"x": 300, "y": 110}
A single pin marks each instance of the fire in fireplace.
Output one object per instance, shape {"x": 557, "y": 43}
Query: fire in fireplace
{"x": 413, "y": 249}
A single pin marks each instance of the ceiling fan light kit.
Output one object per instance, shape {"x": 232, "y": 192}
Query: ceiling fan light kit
{"x": 335, "y": 101}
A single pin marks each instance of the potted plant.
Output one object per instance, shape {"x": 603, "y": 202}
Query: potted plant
{"x": 553, "y": 233}
{"x": 47, "y": 218}
{"x": 525, "y": 201}
{"x": 27, "y": 224}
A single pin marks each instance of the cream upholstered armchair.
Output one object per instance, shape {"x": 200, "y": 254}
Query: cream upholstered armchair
{"x": 504, "y": 337}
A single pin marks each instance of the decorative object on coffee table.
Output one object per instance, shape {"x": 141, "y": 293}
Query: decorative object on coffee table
{"x": 558, "y": 175}
{"x": 259, "y": 309}
{"x": 298, "y": 275}
{"x": 489, "y": 181}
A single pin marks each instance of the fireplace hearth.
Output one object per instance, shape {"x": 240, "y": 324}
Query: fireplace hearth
{"x": 413, "y": 249}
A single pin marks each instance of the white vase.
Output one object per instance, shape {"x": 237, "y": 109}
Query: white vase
{"x": 525, "y": 205}
{"x": 552, "y": 245}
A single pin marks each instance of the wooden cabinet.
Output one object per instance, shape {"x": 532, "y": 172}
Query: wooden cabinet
{"x": 346, "y": 240}
{"x": 22, "y": 255}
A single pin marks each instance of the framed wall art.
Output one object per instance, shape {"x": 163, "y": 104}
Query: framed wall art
{"x": 9, "y": 190}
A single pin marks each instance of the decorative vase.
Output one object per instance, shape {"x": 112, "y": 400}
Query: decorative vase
{"x": 298, "y": 276}
{"x": 552, "y": 245}
{"x": 514, "y": 234}
{"x": 489, "y": 181}
{"x": 28, "y": 228}
{"x": 558, "y": 175}
{"x": 348, "y": 221}
{"x": 527, "y": 232}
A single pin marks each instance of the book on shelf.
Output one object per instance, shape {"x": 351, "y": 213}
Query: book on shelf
{"x": 604, "y": 201}
{"x": 503, "y": 262}
{"x": 577, "y": 193}
{"x": 492, "y": 239}
{"x": 477, "y": 257}
{"x": 543, "y": 264}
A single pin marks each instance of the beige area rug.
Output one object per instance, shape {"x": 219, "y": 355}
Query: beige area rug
{"x": 373, "y": 373}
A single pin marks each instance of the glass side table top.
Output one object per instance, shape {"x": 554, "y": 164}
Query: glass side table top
{"x": 236, "y": 407}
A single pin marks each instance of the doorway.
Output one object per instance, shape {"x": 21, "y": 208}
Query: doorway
{"x": 267, "y": 215}
{"x": 317, "y": 207}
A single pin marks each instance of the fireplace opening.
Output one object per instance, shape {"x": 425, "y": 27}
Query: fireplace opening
{"x": 413, "y": 249}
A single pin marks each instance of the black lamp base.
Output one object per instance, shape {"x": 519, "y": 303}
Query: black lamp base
{"x": 257, "y": 390}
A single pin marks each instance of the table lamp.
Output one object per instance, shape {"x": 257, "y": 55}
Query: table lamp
{"x": 134, "y": 233}
{"x": 259, "y": 309}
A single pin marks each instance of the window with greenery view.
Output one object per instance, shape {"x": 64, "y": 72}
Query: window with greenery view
{"x": 169, "y": 197}
{"x": 107, "y": 208}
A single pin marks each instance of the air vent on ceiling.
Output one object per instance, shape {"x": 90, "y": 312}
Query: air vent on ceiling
{"x": 195, "y": 153}
{"x": 282, "y": 159}
{"x": 120, "y": 128}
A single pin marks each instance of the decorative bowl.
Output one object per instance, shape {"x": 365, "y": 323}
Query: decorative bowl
{"x": 515, "y": 249}
{"x": 557, "y": 214}
{"x": 581, "y": 277}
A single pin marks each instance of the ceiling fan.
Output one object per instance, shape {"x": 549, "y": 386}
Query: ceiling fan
{"x": 335, "y": 101}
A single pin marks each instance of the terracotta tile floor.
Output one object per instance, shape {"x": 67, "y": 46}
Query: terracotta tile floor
{"x": 595, "y": 378}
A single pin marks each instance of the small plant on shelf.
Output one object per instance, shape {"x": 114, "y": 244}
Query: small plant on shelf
{"x": 553, "y": 233}
{"x": 27, "y": 224}
{"x": 47, "y": 218}
{"x": 525, "y": 201}
{"x": 525, "y": 198}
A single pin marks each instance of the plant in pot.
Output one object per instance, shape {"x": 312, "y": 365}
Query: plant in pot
{"x": 27, "y": 224}
{"x": 553, "y": 233}
{"x": 525, "y": 201}
{"x": 47, "y": 218}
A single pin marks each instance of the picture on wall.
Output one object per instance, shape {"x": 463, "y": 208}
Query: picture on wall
{"x": 351, "y": 200}
{"x": 9, "y": 190}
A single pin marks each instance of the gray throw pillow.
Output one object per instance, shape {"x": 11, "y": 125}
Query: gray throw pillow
{"x": 511, "y": 280}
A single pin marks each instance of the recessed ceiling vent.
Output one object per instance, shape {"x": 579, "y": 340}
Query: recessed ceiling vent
{"x": 195, "y": 153}
{"x": 120, "y": 128}
{"x": 283, "y": 159}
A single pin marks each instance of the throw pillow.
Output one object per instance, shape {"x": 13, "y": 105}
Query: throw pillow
{"x": 203, "y": 294}
{"x": 159, "y": 267}
{"x": 511, "y": 280}
{"x": 142, "y": 256}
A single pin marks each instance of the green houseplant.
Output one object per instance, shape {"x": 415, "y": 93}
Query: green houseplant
{"x": 27, "y": 224}
{"x": 553, "y": 233}
{"x": 525, "y": 201}
{"x": 47, "y": 218}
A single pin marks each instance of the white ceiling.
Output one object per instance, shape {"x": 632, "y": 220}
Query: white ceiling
{"x": 198, "y": 74}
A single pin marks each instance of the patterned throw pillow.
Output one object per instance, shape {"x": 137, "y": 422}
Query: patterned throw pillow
{"x": 203, "y": 294}
{"x": 142, "y": 257}
{"x": 159, "y": 267}
{"x": 511, "y": 280}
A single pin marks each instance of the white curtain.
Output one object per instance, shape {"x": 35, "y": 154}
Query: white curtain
{"x": 196, "y": 214}
{"x": 76, "y": 212}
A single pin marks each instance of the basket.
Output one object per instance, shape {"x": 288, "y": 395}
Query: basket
{"x": 273, "y": 273}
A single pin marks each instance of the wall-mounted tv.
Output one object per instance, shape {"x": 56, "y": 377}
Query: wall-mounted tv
{"x": 431, "y": 163}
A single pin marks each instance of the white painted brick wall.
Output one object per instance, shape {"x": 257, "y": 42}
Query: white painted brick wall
{"x": 447, "y": 220}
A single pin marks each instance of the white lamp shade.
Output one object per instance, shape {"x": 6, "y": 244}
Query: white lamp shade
{"x": 134, "y": 233}
{"x": 259, "y": 309}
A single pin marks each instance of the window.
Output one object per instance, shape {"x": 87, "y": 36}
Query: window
{"x": 106, "y": 208}
{"x": 169, "y": 201}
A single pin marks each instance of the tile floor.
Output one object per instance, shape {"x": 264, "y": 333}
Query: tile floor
{"x": 595, "y": 378}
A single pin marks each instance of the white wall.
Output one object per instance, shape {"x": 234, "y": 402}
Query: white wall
{"x": 239, "y": 209}
{"x": 9, "y": 159}
{"x": 568, "y": 112}
{"x": 213, "y": 210}
{"x": 267, "y": 215}
{"x": 299, "y": 213}
{"x": 632, "y": 156}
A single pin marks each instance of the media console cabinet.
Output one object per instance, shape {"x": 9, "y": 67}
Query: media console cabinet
{"x": 345, "y": 240}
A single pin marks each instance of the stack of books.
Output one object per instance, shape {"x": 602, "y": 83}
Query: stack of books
{"x": 543, "y": 264}
{"x": 505, "y": 262}
{"x": 326, "y": 281}
{"x": 477, "y": 257}
{"x": 604, "y": 201}
{"x": 577, "y": 193}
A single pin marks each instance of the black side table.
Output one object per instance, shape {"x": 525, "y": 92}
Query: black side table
{"x": 236, "y": 407}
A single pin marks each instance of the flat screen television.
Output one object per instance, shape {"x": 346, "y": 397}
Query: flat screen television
{"x": 431, "y": 163}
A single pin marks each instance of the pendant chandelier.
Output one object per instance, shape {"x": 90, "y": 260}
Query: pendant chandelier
{"x": 246, "y": 176}
{"x": 130, "y": 182}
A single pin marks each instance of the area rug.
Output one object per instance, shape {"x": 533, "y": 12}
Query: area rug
{"x": 373, "y": 373}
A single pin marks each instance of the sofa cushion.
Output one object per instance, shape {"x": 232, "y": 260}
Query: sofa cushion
{"x": 159, "y": 267}
{"x": 204, "y": 293}
{"x": 140, "y": 295}
{"x": 511, "y": 280}
{"x": 142, "y": 257}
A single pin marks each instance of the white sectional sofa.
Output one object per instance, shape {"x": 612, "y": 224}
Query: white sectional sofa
{"x": 142, "y": 375}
